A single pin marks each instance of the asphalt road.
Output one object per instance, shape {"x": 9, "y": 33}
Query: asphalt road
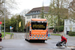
{"x": 19, "y": 43}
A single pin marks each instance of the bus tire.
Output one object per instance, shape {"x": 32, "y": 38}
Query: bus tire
{"x": 43, "y": 41}
{"x": 26, "y": 39}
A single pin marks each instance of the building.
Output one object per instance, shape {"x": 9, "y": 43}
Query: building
{"x": 35, "y": 13}
{"x": 69, "y": 25}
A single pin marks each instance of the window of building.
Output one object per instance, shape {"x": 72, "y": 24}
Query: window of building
{"x": 27, "y": 21}
{"x": 70, "y": 21}
{"x": 74, "y": 29}
{"x": 37, "y": 11}
{"x": 34, "y": 16}
{"x": 28, "y": 17}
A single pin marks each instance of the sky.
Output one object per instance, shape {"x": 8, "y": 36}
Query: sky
{"x": 28, "y": 5}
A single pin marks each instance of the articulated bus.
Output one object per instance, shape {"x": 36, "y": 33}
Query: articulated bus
{"x": 36, "y": 29}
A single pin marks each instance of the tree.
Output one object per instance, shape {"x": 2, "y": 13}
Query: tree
{"x": 14, "y": 22}
{"x": 72, "y": 10}
{"x": 19, "y": 19}
{"x": 58, "y": 9}
{"x": 42, "y": 12}
{"x": 11, "y": 4}
{"x": 1, "y": 9}
{"x": 4, "y": 11}
{"x": 5, "y": 6}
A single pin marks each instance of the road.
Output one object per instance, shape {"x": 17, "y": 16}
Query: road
{"x": 19, "y": 43}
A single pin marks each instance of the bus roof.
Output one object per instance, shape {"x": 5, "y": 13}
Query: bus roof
{"x": 38, "y": 19}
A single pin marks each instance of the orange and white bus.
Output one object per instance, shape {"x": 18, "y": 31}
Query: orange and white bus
{"x": 36, "y": 29}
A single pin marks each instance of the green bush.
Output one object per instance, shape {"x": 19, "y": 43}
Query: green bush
{"x": 51, "y": 28}
{"x": 71, "y": 33}
{"x": 61, "y": 28}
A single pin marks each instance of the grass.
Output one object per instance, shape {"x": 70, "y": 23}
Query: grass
{"x": 2, "y": 35}
{"x": 56, "y": 34}
{"x": 49, "y": 38}
{"x": 72, "y": 36}
{"x": 5, "y": 34}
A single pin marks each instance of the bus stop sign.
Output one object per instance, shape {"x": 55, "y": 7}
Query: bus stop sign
{"x": 0, "y": 22}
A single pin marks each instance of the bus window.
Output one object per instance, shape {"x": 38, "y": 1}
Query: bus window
{"x": 38, "y": 25}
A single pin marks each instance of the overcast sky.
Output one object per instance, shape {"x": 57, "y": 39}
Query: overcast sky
{"x": 29, "y": 4}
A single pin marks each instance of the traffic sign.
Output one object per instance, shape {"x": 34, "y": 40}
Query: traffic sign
{"x": 10, "y": 27}
{"x": 0, "y": 22}
{"x": 48, "y": 35}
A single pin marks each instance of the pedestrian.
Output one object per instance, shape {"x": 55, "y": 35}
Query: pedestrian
{"x": 63, "y": 41}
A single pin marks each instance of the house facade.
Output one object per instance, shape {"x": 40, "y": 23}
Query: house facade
{"x": 35, "y": 13}
{"x": 69, "y": 25}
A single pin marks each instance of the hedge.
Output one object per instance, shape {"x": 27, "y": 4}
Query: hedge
{"x": 61, "y": 28}
{"x": 71, "y": 33}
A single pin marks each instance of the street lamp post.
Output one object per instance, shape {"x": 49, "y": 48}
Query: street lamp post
{"x": 4, "y": 19}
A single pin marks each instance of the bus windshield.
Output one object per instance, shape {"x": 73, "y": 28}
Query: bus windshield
{"x": 38, "y": 25}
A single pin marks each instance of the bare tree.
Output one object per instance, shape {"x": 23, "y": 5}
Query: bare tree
{"x": 59, "y": 8}
{"x": 72, "y": 10}
{"x": 9, "y": 4}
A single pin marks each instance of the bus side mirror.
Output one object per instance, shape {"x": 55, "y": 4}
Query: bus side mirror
{"x": 0, "y": 37}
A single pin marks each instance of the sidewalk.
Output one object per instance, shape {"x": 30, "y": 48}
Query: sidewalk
{"x": 7, "y": 37}
{"x": 61, "y": 33}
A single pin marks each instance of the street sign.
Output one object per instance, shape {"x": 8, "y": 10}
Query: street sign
{"x": 10, "y": 27}
{"x": 48, "y": 35}
{"x": 0, "y": 22}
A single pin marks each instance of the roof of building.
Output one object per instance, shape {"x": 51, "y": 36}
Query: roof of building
{"x": 38, "y": 10}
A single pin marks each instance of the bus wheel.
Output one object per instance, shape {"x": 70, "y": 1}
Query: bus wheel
{"x": 26, "y": 39}
{"x": 43, "y": 41}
